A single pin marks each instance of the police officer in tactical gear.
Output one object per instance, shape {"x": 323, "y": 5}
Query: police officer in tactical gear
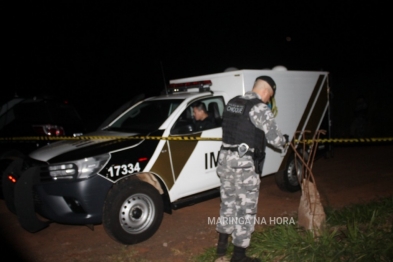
{"x": 248, "y": 125}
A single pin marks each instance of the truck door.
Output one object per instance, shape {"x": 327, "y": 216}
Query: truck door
{"x": 195, "y": 155}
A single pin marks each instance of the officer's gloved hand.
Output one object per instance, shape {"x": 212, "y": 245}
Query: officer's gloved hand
{"x": 286, "y": 138}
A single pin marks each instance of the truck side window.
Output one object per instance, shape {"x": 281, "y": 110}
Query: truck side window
{"x": 187, "y": 123}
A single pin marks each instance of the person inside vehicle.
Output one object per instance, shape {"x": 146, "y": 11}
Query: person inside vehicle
{"x": 202, "y": 119}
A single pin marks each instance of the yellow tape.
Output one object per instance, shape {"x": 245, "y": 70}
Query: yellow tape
{"x": 185, "y": 138}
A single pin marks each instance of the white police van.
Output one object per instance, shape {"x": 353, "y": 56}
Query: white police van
{"x": 149, "y": 159}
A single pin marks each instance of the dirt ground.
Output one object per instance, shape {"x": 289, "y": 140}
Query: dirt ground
{"x": 351, "y": 175}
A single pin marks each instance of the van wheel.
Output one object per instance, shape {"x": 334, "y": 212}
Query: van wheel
{"x": 8, "y": 187}
{"x": 289, "y": 179}
{"x": 133, "y": 211}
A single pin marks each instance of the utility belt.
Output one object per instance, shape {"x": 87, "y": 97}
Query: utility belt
{"x": 236, "y": 149}
{"x": 257, "y": 155}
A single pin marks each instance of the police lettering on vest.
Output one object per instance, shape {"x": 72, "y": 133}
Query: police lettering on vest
{"x": 234, "y": 108}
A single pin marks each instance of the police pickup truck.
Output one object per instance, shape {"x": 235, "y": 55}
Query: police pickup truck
{"x": 149, "y": 159}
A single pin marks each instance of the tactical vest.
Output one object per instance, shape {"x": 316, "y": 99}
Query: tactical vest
{"x": 237, "y": 126}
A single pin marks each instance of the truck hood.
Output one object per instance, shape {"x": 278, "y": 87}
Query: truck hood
{"x": 56, "y": 149}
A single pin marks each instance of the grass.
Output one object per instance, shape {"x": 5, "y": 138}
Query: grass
{"x": 361, "y": 232}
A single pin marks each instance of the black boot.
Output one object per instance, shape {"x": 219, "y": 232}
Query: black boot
{"x": 239, "y": 255}
{"x": 222, "y": 245}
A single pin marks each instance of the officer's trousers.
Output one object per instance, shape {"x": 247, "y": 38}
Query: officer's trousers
{"x": 239, "y": 196}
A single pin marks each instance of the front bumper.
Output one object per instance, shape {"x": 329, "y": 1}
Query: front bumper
{"x": 61, "y": 201}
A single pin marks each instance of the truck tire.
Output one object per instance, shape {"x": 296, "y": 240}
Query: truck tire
{"x": 289, "y": 179}
{"x": 133, "y": 211}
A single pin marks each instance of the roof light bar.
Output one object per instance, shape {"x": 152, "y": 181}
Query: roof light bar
{"x": 203, "y": 86}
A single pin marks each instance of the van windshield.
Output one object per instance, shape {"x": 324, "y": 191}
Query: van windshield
{"x": 146, "y": 117}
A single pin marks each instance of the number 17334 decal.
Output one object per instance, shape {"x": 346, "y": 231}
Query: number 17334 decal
{"x": 122, "y": 170}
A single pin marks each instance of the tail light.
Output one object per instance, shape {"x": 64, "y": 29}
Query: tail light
{"x": 49, "y": 130}
{"x": 12, "y": 178}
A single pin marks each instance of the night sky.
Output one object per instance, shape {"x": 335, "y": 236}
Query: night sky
{"x": 99, "y": 55}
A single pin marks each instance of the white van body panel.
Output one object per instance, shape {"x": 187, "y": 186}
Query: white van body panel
{"x": 298, "y": 93}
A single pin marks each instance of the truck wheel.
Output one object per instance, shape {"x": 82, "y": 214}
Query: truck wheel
{"x": 133, "y": 211}
{"x": 289, "y": 179}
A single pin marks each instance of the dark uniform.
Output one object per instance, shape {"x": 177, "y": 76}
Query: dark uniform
{"x": 246, "y": 119}
{"x": 207, "y": 123}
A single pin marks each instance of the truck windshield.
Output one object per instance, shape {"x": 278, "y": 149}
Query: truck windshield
{"x": 146, "y": 117}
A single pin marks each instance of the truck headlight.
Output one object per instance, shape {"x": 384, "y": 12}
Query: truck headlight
{"x": 79, "y": 169}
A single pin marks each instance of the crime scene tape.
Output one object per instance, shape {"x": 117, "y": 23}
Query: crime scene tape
{"x": 35, "y": 138}
{"x": 184, "y": 138}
